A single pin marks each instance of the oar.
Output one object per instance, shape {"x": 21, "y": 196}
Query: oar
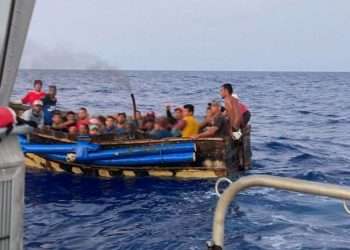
{"x": 133, "y": 105}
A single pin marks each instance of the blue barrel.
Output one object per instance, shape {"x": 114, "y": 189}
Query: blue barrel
{"x": 86, "y": 151}
{"x": 56, "y": 148}
{"x": 148, "y": 160}
{"x": 138, "y": 151}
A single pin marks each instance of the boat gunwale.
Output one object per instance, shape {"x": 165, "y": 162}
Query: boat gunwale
{"x": 127, "y": 141}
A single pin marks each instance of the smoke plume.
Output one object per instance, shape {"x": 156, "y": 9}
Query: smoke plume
{"x": 36, "y": 56}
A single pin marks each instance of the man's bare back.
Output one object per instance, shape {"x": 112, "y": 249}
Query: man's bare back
{"x": 232, "y": 109}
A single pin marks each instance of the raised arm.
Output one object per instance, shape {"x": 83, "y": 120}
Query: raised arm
{"x": 25, "y": 99}
{"x": 170, "y": 116}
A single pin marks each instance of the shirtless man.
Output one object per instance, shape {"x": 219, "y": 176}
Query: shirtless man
{"x": 231, "y": 106}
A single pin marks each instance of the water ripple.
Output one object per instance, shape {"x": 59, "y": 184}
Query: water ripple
{"x": 300, "y": 129}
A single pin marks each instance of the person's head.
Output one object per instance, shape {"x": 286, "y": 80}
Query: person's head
{"x": 215, "y": 108}
{"x": 93, "y": 129}
{"x": 161, "y": 123}
{"x": 52, "y": 91}
{"x": 70, "y": 116}
{"x": 83, "y": 129}
{"x": 208, "y": 113}
{"x": 121, "y": 118}
{"x": 38, "y": 85}
{"x": 226, "y": 90}
{"x": 83, "y": 114}
{"x": 37, "y": 106}
{"x": 93, "y": 122}
{"x": 150, "y": 116}
{"x": 138, "y": 115}
{"x": 188, "y": 110}
{"x": 148, "y": 125}
{"x": 178, "y": 113}
{"x": 57, "y": 118}
{"x": 72, "y": 130}
{"x": 101, "y": 120}
{"x": 110, "y": 121}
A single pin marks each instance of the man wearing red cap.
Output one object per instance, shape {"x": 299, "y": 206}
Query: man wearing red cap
{"x": 35, "y": 94}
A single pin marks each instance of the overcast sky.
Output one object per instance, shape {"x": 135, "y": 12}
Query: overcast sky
{"x": 287, "y": 35}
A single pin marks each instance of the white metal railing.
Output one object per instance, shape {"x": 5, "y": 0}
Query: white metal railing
{"x": 289, "y": 184}
{"x": 15, "y": 16}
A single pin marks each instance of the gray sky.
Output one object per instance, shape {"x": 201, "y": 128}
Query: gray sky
{"x": 288, "y": 35}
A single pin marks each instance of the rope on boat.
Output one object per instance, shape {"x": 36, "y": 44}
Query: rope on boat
{"x": 346, "y": 207}
{"x": 71, "y": 157}
{"x": 218, "y": 182}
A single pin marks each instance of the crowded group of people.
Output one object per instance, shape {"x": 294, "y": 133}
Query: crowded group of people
{"x": 221, "y": 120}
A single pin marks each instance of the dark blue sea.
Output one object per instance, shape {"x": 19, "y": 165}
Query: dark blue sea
{"x": 301, "y": 124}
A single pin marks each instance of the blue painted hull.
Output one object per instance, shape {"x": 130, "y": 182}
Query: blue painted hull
{"x": 148, "y": 160}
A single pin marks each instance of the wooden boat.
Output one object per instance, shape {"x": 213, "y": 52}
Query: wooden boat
{"x": 209, "y": 158}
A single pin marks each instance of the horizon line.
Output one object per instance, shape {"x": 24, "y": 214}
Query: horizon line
{"x": 187, "y": 70}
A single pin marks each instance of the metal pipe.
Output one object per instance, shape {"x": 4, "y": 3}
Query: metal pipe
{"x": 7, "y": 39}
{"x": 289, "y": 184}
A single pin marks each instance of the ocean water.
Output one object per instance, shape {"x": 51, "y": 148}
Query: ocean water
{"x": 301, "y": 124}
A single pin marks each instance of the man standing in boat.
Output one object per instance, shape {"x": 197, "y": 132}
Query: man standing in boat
{"x": 49, "y": 101}
{"x": 35, "y": 94}
{"x": 234, "y": 117}
{"x": 231, "y": 107}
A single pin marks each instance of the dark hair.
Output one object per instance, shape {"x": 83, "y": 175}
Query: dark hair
{"x": 53, "y": 87}
{"x": 110, "y": 117}
{"x": 38, "y": 82}
{"x": 83, "y": 109}
{"x": 228, "y": 87}
{"x": 57, "y": 113}
{"x": 223, "y": 109}
{"x": 101, "y": 119}
{"x": 189, "y": 107}
{"x": 122, "y": 114}
{"x": 70, "y": 113}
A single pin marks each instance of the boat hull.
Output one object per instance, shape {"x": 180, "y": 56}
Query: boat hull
{"x": 211, "y": 157}
{"x": 40, "y": 162}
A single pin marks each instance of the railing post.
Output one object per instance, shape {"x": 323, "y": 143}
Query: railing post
{"x": 15, "y": 16}
{"x": 11, "y": 194}
{"x": 289, "y": 184}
